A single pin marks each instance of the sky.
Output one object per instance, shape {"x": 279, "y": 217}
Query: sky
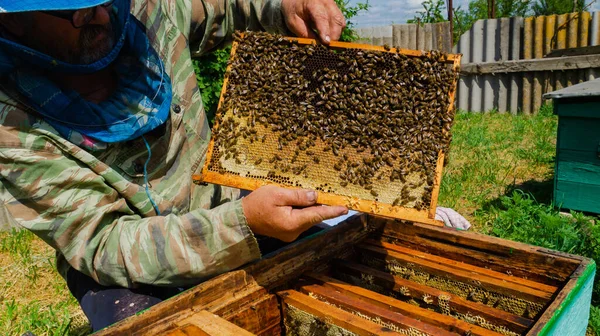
{"x": 386, "y": 12}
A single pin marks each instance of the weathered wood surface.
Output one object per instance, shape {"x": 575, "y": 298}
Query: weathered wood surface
{"x": 532, "y": 65}
{"x": 559, "y": 301}
{"x": 256, "y": 317}
{"x": 473, "y": 257}
{"x": 436, "y": 319}
{"x": 578, "y": 51}
{"x": 243, "y": 296}
{"x": 159, "y": 318}
{"x": 231, "y": 290}
{"x": 372, "y": 311}
{"x": 528, "y": 257}
{"x": 448, "y": 272}
{"x": 293, "y": 260}
{"x": 213, "y": 325}
{"x": 418, "y": 291}
{"x": 475, "y": 272}
{"x": 188, "y": 330}
{"x": 332, "y": 315}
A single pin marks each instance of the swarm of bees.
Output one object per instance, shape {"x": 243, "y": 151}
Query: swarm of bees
{"x": 376, "y": 116}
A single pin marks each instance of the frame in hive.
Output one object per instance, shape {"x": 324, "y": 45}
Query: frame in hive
{"x": 365, "y": 126}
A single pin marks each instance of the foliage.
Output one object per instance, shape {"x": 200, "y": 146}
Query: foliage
{"x": 433, "y": 12}
{"x": 210, "y": 70}
{"x": 478, "y": 10}
{"x": 349, "y": 34}
{"x": 549, "y": 7}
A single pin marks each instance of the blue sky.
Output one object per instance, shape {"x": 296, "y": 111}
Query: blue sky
{"x": 385, "y": 12}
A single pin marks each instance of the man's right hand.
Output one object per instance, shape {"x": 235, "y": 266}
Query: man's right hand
{"x": 285, "y": 213}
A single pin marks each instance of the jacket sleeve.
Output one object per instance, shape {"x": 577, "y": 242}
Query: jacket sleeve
{"x": 74, "y": 209}
{"x": 213, "y": 22}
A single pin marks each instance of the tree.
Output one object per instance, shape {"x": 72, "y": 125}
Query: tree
{"x": 549, "y": 7}
{"x": 433, "y": 12}
{"x": 478, "y": 10}
{"x": 349, "y": 34}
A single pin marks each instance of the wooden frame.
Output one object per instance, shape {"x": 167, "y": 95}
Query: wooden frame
{"x": 247, "y": 298}
{"x": 365, "y": 206}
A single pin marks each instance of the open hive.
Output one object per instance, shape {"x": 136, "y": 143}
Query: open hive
{"x": 371, "y": 276}
{"x": 366, "y": 126}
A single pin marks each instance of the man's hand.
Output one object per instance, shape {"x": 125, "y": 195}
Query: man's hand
{"x": 304, "y": 16}
{"x": 272, "y": 211}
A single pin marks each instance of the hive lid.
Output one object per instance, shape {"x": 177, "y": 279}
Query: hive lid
{"x": 585, "y": 89}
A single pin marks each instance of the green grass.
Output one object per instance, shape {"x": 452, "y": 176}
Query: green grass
{"x": 33, "y": 297}
{"x": 498, "y": 174}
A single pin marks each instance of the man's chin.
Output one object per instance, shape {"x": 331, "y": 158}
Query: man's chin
{"x": 94, "y": 54}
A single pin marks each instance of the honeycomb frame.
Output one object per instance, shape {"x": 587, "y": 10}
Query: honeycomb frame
{"x": 325, "y": 196}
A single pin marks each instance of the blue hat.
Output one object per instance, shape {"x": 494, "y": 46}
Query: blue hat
{"x": 13, "y": 6}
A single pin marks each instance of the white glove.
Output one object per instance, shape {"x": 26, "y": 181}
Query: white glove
{"x": 452, "y": 218}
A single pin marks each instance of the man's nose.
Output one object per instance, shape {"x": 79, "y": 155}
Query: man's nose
{"x": 102, "y": 16}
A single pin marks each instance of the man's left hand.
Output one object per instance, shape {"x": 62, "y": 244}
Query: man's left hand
{"x": 303, "y": 17}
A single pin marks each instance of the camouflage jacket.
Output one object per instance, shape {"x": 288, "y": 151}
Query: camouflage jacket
{"x": 92, "y": 206}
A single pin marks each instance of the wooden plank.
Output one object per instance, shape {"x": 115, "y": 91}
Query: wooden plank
{"x": 532, "y": 65}
{"x": 578, "y": 51}
{"x": 477, "y": 271}
{"x": 274, "y": 330}
{"x": 527, "y": 54}
{"x": 570, "y": 155}
{"x": 217, "y": 292}
{"x": 374, "y": 312}
{"x": 577, "y": 196}
{"x": 474, "y": 257}
{"x": 585, "y": 270}
{"x": 579, "y": 134}
{"x": 436, "y": 319}
{"x": 447, "y": 272}
{"x": 332, "y": 315}
{"x": 258, "y": 316}
{"x": 526, "y": 256}
{"x": 578, "y": 172}
{"x": 296, "y": 258}
{"x": 188, "y": 330}
{"x": 401, "y": 287}
{"x": 213, "y": 325}
{"x": 244, "y": 299}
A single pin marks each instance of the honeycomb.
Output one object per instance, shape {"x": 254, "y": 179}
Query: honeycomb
{"x": 443, "y": 303}
{"x": 360, "y": 125}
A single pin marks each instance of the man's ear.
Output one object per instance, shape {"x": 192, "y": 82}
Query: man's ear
{"x": 14, "y": 23}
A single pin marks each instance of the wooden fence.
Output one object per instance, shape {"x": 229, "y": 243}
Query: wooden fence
{"x": 503, "y": 66}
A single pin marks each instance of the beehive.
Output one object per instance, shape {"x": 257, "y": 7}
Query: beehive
{"x": 365, "y": 126}
{"x": 371, "y": 276}
{"x": 577, "y": 168}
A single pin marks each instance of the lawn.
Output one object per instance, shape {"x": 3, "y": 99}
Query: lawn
{"x": 498, "y": 175}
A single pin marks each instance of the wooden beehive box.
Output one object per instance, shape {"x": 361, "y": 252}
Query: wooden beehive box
{"x": 371, "y": 276}
{"x": 365, "y": 126}
{"x": 577, "y": 169}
